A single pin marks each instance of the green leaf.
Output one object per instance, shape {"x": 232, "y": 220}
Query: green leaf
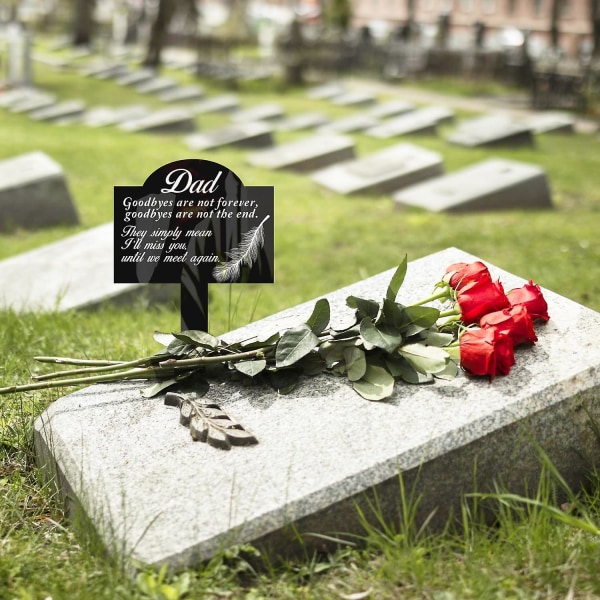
{"x": 380, "y": 337}
{"x": 393, "y": 315}
{"x": 450, "y": 372}
{"x": 163, "y": 338}
{"x": 198, "y": 338}
{"x": 260, "y": 342}
{"x": 422, "y": 317}
{"x": 251, "y": 367}
{"x": 311, "y": 364}
{"x": 397, "y": 280}
{"x": 425, "y": 359}
{"x": 437, "y": 338}
{"x": 356, "y": 363}
{"x": 400, "y": 367}
{"x": 319, "y": 319}
{"x": 283, "y": 380}
{"x": 376, "y": 384}
{"x": 333, "y": 351}
{"x": 180, "y": 348}
{"x": 344, "y": 334}
{"x": 294, "y": 344}
{"x": 364, "y": 307}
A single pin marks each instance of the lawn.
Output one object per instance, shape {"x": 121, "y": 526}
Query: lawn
{"x": 322, "y": 241}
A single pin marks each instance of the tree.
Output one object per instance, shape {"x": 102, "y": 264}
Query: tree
{"x": 554, "y": 19}
{"x": 83, "y": 26}
{"x": 337, "y": 14}
{"x": 595, "y": 19}
{"x": 160, "y": 27}
{"x": 158, "y": 32}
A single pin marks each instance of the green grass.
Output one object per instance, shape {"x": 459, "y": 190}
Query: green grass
{"x": 323, "y": 241}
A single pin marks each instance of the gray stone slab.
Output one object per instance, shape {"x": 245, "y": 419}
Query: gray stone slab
{"x": 307, "y": 120}
{"x": 493, "y": 184}
{"x": 216, "y": 104}
{"x": 261, "y": 112}
{"x": 492, "y": 131}
{"x": 391, "y": 108}
{"x": 385, "y": 171}
{"x": 101, "y": 116}
{"x": 168, "y": 120}
{"x": 308, "y": 154}
{"x": 13, "y": 98}
{"x": 34, "y": 193}
{"x": 156, "y": 85}
{"x": 326, "y": 91}
{"x": 104, "y": 69}
{"x": 136, "y": 77}
{"x": 423, "y": 121}
{"x": 68, "y": 108}
{"x": 157, "y": 497}
{"x": 256, "y": 134}
{"x": 76, "y": 272}
{"x": 354, "y": 99}
{"x": 550, "y": 122}
{"x": 33, "y": 102}
{"x": 186, "y": 93}
{"x": 350, "y": 124}
{"x": 58, "y": 64}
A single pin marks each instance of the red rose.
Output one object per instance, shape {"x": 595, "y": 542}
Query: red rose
{"x": 514, "y": 321}
{"x": 480, "y": 298}
{"x": 530, "y": 296}
{"x": 486, "y": 351}
{"x": 459, "y": 275}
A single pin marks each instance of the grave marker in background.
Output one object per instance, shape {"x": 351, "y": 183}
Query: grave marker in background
{"x": 222, "y": 103}
{"x": 307, "y": 120}
{"x": 306, "y": 154}
{"x": 493, "y": 184}
{"x": 354, "y": 99}
{"x": 384, "y": 171}
{"x": 492, "y": 131}
{"x": 350, "y": 124}
{"x": 422, "y": 121}
{"x": 34, "y": 193}
{"x": 261, "y": 112}
{"x": 168, "y": 120}
{"x": 256, "y": 134}
{"x": 182, "y": 94}
{"x": 326, "y": 91}
{"x": 156, "y": 85}
{"x": 67, "y": 109}
{"x": 76, "y": 272}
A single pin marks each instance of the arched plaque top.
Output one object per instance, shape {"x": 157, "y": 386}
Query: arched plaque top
{"x": 191, "y": 176}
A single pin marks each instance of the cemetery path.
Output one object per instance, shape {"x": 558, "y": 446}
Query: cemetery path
{"x": 517, "y": 105}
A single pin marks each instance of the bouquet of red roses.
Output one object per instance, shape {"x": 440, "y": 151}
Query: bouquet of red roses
{"x": 504, "y": 320}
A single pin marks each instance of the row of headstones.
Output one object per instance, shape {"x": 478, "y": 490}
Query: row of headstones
{"x": 35, "y": 193}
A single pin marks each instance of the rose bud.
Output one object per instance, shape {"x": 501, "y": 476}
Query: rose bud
{"x": 480, "y": 298}
{"x": 459, "y": 275}
{"x": 486, "y": 352}
{"x": 514, "y": 322}
{"x": 530, "y": 296}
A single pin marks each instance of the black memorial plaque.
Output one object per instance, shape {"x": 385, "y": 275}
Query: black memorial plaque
{"x": 193, "y": 222}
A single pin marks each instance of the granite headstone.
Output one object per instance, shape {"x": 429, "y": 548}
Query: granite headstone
{"x": 156, "y": 497}
{"x": 494, "y": 184}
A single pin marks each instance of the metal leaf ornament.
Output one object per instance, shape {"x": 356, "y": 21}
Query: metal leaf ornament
{"x": 245, "y": 254}
{"x": 209, "y": 423}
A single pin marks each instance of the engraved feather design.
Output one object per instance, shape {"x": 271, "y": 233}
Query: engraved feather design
{"x": 245, "y": 254}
